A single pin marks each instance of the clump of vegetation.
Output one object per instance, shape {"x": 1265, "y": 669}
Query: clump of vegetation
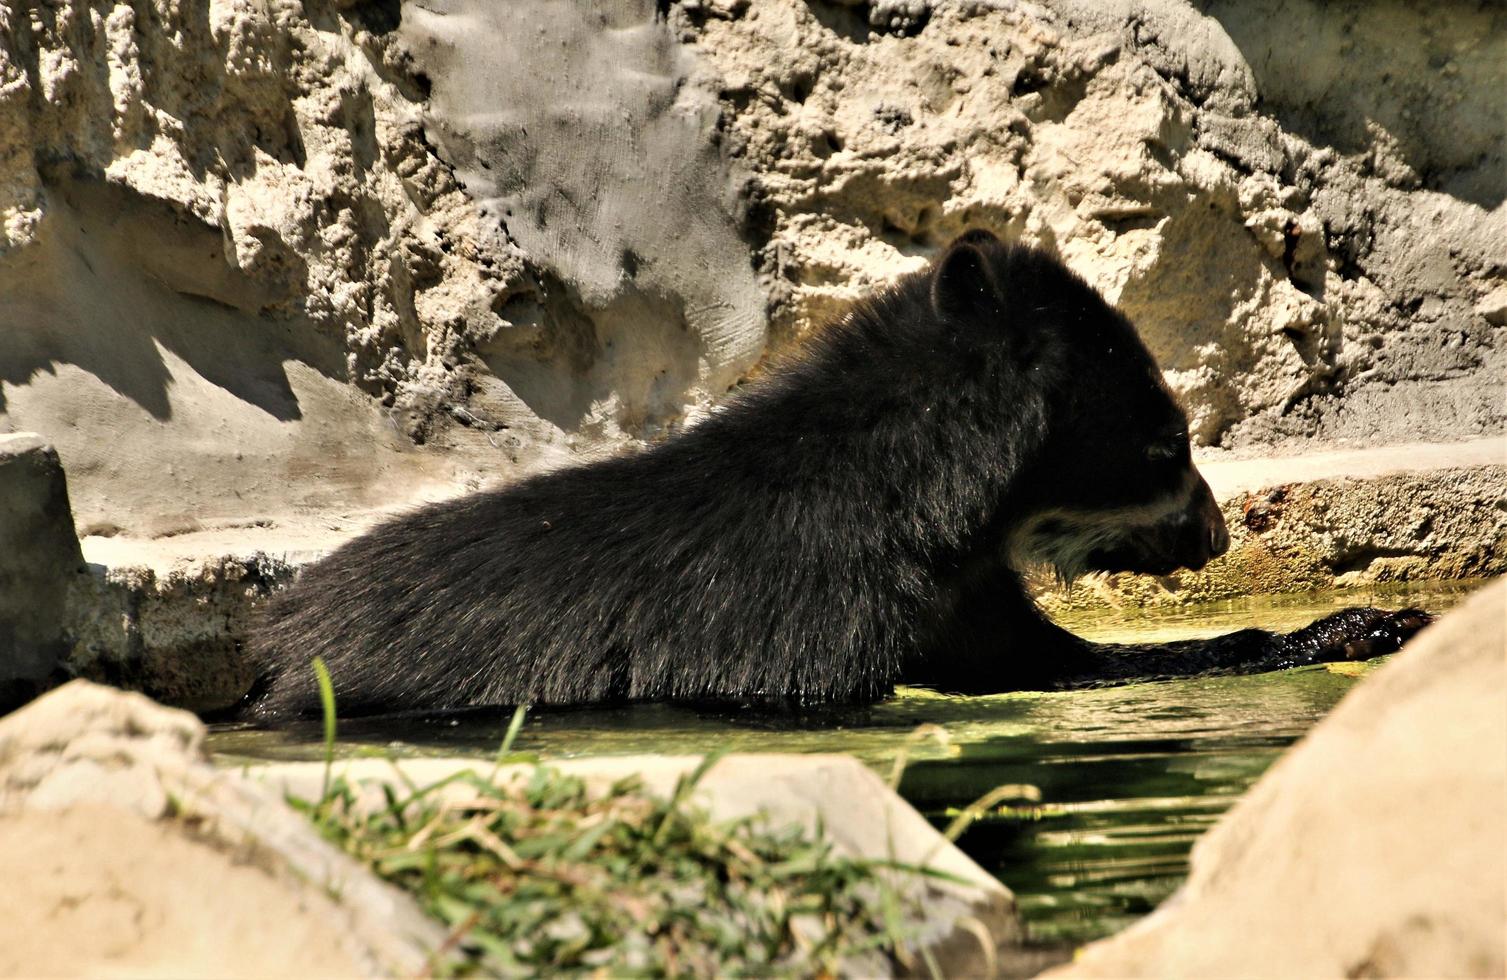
{"x": 546, "y": 876}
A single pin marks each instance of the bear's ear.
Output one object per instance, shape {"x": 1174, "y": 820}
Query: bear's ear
{"x": 962, "y": 282}
{"x": 977, "y": 236}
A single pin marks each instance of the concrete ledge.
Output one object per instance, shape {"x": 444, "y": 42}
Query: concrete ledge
{"x": 1229, "y": 478}
{"x": 165, "y": 615}
{"x": 1345, "y": 532}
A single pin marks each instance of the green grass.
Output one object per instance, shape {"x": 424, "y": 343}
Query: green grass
{"x": 546, "y": 876}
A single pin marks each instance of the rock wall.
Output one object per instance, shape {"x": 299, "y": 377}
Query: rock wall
{"x": 233, "y": 268}
{"x": 1301, "y": 213}
{"x": 263, "y": 258}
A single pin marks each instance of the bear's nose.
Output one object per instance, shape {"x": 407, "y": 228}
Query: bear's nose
{"x": 1219, "y": 536}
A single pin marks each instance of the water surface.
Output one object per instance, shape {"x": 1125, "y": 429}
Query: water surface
{"x": 1128, "y": 776}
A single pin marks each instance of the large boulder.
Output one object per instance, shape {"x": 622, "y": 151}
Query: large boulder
{"x": 1374, "y": 848}
{"x": 128, "y": 853}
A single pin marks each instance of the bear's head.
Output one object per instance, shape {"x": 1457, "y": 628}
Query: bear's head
{"x": 1109, "y": 484}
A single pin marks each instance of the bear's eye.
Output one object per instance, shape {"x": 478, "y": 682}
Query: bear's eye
{"x": 1168, "y": 449}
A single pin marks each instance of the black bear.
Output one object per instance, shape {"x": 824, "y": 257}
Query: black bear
{"x": 856, "y": 519}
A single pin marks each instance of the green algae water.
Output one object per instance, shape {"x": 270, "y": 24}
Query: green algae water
{"x": 1129, "y": 776}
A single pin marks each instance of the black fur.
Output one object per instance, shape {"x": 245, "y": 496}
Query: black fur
{"x": 841, "y": 526}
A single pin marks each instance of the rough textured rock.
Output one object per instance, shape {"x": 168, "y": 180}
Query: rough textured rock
{"x": 39, "y": 561}
{"x": 1373, "y": 848}
{"x": 263, "y": 259}
{"x": 645, "y": 302}
{"x": 236, "y": 277}
{"x": 855, "y": 809}
{"x": 1305, "y": 232}
{"x": 131, "y": 855}
{"x": 173, "y": 634}
{"x": 166, "y": 616}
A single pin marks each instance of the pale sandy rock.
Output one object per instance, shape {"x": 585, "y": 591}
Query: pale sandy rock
{"x": 238, "y": 282}
{"x": 100, "y": 891}
{"x": 87, "y": 743}
{"x": 1493, "y": 306}
{"x": 594, "y": 142}
{"x": 1337, "y": 532}
{"x": 128, "y": 853}
{"x": 1298, "y": 228}
{"x": 1373, "y": 848}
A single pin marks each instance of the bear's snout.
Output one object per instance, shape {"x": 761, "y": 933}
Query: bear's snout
{"x": 1219, "y": 536}
{"x": 1202, "y": 535}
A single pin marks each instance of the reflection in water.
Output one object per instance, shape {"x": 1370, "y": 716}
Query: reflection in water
{"x": 1129, "y": 776}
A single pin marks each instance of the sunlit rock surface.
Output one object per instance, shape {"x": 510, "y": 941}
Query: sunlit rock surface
{"x": 128, "y": 853}
{"x": 263, "y": 261}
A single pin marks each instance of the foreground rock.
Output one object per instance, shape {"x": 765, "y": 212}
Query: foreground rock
{"x": 1374, "y": 848}
{"x": 39, "y": 561}
{"x": 127, "y": 853}
{"x": 967, "y": 925}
